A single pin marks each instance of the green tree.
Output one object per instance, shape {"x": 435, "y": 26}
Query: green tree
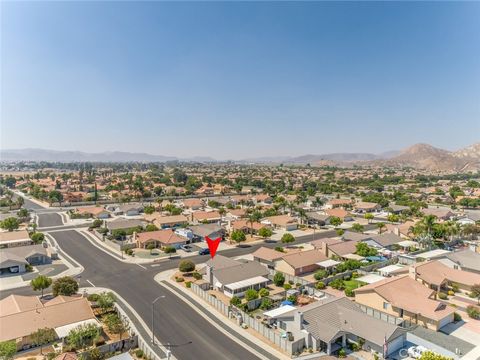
{"x": 380, "y": 226}
{"x": 364, "y": 250}
{"x": 335, "y": 221}
{"x": 23, "y": 213}
{"x": 369, "y": 217}
{"x": 43, "y": 337}
{"x": 186, "y": 266}
{"x": 151, "y": 227}
{"x": 279, "y": 279}
{"x": 115, "y": 324}
{"x": 40, "y": 283}
{"x": 55, "y": 196}
{"x": 235, "y": 301}
{"x": 8, "y": 349}
{"x": 263, "y": 292}
{"x": 83, "y": 335}
{"x": 357, "y": 227}
{"x": 65, "y": 285}
{"x": 251, "y": 294}
{"x": 238, "y": 236}
{"x": 266, "y": 303}
{"x": 105, "y": 301}
{"x": 265, "y": 232}
{"x": 149, "y": 210}
{"x": 287, "y": 238}
{"x": 10, "y": 224}
{"x": 37, "y": 237}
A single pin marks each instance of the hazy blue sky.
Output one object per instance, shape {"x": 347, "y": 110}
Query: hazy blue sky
{"x": 235, "y": 80}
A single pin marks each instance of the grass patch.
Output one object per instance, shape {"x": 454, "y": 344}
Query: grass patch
{"x": 353, "y": 284}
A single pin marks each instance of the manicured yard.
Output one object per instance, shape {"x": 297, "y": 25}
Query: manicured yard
{"x": 353, "y": 284}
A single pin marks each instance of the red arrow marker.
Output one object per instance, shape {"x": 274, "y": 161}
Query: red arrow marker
{"x": 213, "y": 245}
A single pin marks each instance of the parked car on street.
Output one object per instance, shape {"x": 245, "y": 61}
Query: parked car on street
{"x": 186, "y": 248}
{"x": 204, "y": 252}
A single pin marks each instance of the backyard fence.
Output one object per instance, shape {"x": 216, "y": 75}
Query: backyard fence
{"x": 217, "y": 304}
{"x": 381, "y": 315}
{"x": 283, "y": 343}
{"x": 120, "y": 345}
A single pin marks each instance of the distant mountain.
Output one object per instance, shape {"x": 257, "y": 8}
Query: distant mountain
{"x": 79, "y": 156}
{"x": 425, "y": 156}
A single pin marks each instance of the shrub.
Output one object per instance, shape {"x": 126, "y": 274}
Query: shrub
{"x": 338, "y": 284}
{"x": 188, "y": 284}
{"x": 287, "y": 286}
{"x": 251, "y": 294}
{"x": 279, "y": 279}
{"x": 287, "y": 238}
{"x": 450, "y": 293}
{"x": 473, "y": 311}
{"x": 151, "y": 246}
{"x": 179, "y": 279}
{"x": 196, "y": 275}
{"x": 342, "y": 353}
{"x": 279, "y": 249}
{"x": 349, "y": 292}
{"x": 186, "y": 266}
{"x": 169, "y": 250}
{"x": 235, "y": 301}
{"x": 457, "y": 317}
{"x": 320, "y": 274}
{"x": 320, "y": 285}
{"x": 139, "y": 353}
{"x": 263, "y": 292}
{"x": 93, "y": 297}
{"x": 455, "y": 287}
{"x": 266, "y": 304}
{"x": 37, "y": 237}
{"x": 66, "y": 286}
{"x": 442, "y": 296}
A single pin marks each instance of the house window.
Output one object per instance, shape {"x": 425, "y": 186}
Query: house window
{"x": 385, "y": 306}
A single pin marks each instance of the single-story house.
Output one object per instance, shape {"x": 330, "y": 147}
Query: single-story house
{"x": 284, "y": 222}
{"x": 159, "y": 238}
{"x": 385, "y": 240}
{"x": 440, "y": 213}
{"x": 233, "y": 277}
{"x": 20, "y": 316}
{"x": 364, "y": 207}
{"x": 329, "y": 325}
{"x": 247, "y": 227}
{"x": 15, "y": 260}
{"x": 123, "y": 224}
{"x": 262, "y": 198}
{"x": 237, "y": 213}
{"x": 171, "y": 221}
{"x": 335, "y": 203}
{"x": 344, "y": 215}
{"x": 406, "y": 298}
{"x": 398, "y": 209}
{"x": 94, "y": 211}
{"x": 466, "y": 260}
{"x": 10, "y": 239}
{"x": 268, "y": 256}
{"x": 206, "y": 217}
{"x": 300, "y": 263}
{"x": 201, "y": 231}
{"x": 193, "y": 204}
{"x": 438, "y": 276}
{"x": 314, "y": 218}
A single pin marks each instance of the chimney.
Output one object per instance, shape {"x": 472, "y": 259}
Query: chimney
{"x": 298, "y": 320}
{"x": 412, "y": 272}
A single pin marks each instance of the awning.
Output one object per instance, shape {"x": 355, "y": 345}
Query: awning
{"x": 328, "y": 263}
{"x": 279, "y": 311}
{"x": 248, "y": 282}
{"x": 353, "y": 257}
{"x": 63, "y": 331}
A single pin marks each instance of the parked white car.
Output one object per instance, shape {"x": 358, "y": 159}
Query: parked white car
{"x": 416, "y": 351}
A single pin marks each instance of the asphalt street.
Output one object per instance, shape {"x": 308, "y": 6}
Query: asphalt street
{"x": 176, "y": 323}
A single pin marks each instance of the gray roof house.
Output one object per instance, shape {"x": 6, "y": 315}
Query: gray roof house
{"x": 20, "y": 256}
{"x": 330, "y": 324}
{"x": 466, "y": 260}
{"x": 233, "y": 277}
{"x": 385, "y": 240}
{"x": 123, "y": 224}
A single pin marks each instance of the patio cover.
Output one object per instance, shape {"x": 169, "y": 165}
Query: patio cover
{"x": 63, "y": 331}
{"x": 328, "y": 263}
{"x": 279, "y": 311}
{"x": 248, "y": 282}
{"x": 353, "y": 257}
